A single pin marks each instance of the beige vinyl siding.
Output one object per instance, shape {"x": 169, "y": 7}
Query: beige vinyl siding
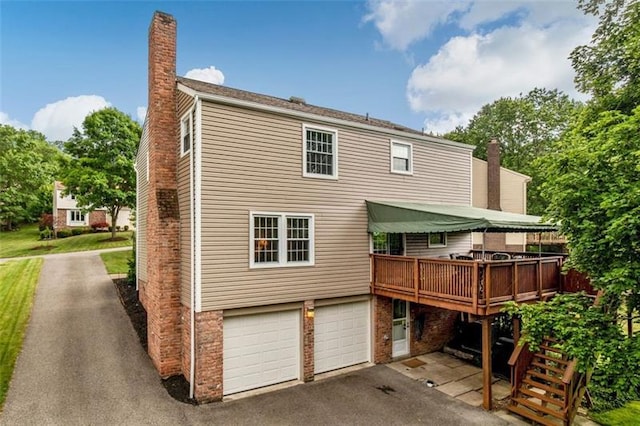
{"x": 417, "y": 245}
{"x": 252, "y": 161}
{"x": 142, "y": 194}
{"x": 513, "y": 196}
{"x": 184, "y": 198}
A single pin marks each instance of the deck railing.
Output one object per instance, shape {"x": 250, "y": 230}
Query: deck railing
{"x": 475, "y": 286}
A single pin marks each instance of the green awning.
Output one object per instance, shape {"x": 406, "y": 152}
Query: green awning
{"x": 412, "y": 217}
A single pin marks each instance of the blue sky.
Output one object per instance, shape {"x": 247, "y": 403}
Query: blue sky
{"x": 423, "y": 64}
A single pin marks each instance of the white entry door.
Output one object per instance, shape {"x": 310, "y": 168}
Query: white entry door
{"x": 341, "y": 336}
{"x": 400, "y": 329}
{"x": 260, "y": 350}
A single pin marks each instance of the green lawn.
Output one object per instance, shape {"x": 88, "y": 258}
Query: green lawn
{"x": 116, "y": 261}
{"x": 26, "y": 242}
{"x": 625, "y": 416}
{"x": 18, "y": 280}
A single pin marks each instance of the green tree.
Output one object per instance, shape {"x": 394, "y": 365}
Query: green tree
{"x": 527, "y": 127}
{"x": 99, "y": 169}
{"x": 608, "y": 68}
{"x": 27, "y": 171}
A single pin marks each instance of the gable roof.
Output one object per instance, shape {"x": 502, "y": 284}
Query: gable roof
{"x": 201, "y": 87}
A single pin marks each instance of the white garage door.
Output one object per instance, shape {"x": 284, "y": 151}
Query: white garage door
{"x": 260, "y": 350}
{"x": 341, "y": 336}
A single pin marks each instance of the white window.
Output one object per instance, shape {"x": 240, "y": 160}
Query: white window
{"x": 320, "y": 152}
{"x": 281, "y": 239}
{"x": 186, "y": 131}
{"x": 383, "y": 243}
{"x": 401, "y": 158}
{"x": 437, "y": 239}
{"x": 76, "y": 217}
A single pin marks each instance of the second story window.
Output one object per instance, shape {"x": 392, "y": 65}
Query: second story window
{"x": 401, "y": 158}
{"x": 186, "y": 132}
{"x": 320, "y": 152}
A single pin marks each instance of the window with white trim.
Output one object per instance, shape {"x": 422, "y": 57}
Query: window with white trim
{"x": 186, "y": 132}
{"x": 281, "y": 239}
{"x": 76, "y": 217}
{"x": 437, "y": 239}
{"x": 320, "y": 152}
{"x": 401, "y": 158}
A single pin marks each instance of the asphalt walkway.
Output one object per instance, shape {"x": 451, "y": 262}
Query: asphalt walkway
{"x": 81, "y": 364}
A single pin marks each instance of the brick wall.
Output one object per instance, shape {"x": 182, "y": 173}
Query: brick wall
{"x": 438, "y": 328}
{"x": 209, "y": 356}
{"x": 163, "y": 264}
{"x": 97, "y": 216}
{"x": 382, "y": 343}
{"x": 308, "y": 328}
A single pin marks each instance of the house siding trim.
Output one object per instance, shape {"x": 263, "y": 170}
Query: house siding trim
{"x": 322, "y": 119}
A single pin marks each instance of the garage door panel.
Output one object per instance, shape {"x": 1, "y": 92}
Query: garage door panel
{"x": 261, "y": 350}
{"x": 341, "y": 336}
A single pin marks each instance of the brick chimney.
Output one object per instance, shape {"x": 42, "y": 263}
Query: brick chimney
{"x": 162, "y": 291}
{"x": 494, "y": 241}
{"x": 493, "y": 175}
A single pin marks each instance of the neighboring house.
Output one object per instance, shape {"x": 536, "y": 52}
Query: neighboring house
{"x": 256, "y": 243}
{"x": 506, "y": 191}
{"x": 67, "y": 214}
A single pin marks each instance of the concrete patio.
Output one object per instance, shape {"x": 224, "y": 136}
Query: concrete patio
{"x": 463, "y": 381}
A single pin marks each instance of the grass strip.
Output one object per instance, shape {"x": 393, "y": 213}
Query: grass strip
{"x": 116, "y": 262}
{"x": 18, "y": 281}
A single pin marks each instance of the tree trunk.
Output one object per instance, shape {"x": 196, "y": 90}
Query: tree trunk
{"x": 114, "y": 220}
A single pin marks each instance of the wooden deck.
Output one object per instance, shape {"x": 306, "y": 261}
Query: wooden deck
{"x": 479, "y": 287}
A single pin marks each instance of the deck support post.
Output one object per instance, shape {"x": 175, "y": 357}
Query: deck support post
{"x": 487, "y": 396}
{"x": 516, "y": 331}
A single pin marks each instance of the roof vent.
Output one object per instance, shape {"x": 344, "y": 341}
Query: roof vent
{"x": 297, "y": 100}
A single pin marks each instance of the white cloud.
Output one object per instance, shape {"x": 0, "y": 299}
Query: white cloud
{"x": 504, "y": 48}
{"x": 57, "y": 120}
{"x": 5, "y": 119}
{"x": 209, "y": 75}
{"x": 141, "y": 113}
{"x": 468, "y": 72}
{"x": 402, "y": 22}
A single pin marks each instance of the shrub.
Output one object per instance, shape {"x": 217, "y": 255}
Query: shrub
{"x": 45, "y": 221}
{"x": 95, "y": 226}
{"x": 131, "y": 273}
{"x": 46, "y": 233}
{"x": 126, "y": 228}
{"x": 76, "y": 231}
{"x": 63, "y": 233}
{"x": 117, "y": 228}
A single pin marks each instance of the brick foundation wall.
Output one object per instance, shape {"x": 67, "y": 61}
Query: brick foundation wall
{"x": 186, "y": 342}
{"x": 142, "y": 294}
{"x": 60, "y": 219}
{"x": 438, "y": 328}
{"x": 209, "y": 356}
{"x": 382, "y": 342}
{"x": 97, "y": 216}
{"x": 163, "y": 306}
{"x": 495, "y": 241}
{"x": 308, "y": 339}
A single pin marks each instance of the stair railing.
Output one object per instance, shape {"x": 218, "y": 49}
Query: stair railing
{"x": 519, "y": 362}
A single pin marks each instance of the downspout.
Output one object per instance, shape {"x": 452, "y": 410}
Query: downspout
{"x": 192, "y": 280}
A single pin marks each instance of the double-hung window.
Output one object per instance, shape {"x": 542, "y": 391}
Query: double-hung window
{"x": 401, "y": 158}
{"x": 320, "y": 152}
{"x": 281, "y": 239}
{"x": 186, "y": 133}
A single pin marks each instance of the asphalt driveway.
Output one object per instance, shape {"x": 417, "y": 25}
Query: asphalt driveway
{"x": 82, "y": 364}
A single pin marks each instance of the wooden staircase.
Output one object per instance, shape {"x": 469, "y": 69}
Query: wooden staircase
{"x": 545, "y": 386}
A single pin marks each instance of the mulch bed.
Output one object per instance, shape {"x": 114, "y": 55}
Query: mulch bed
{"x": 111, "y": 240}
{"x": 42, "y": 248}
{"x": 177, "y": 386}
